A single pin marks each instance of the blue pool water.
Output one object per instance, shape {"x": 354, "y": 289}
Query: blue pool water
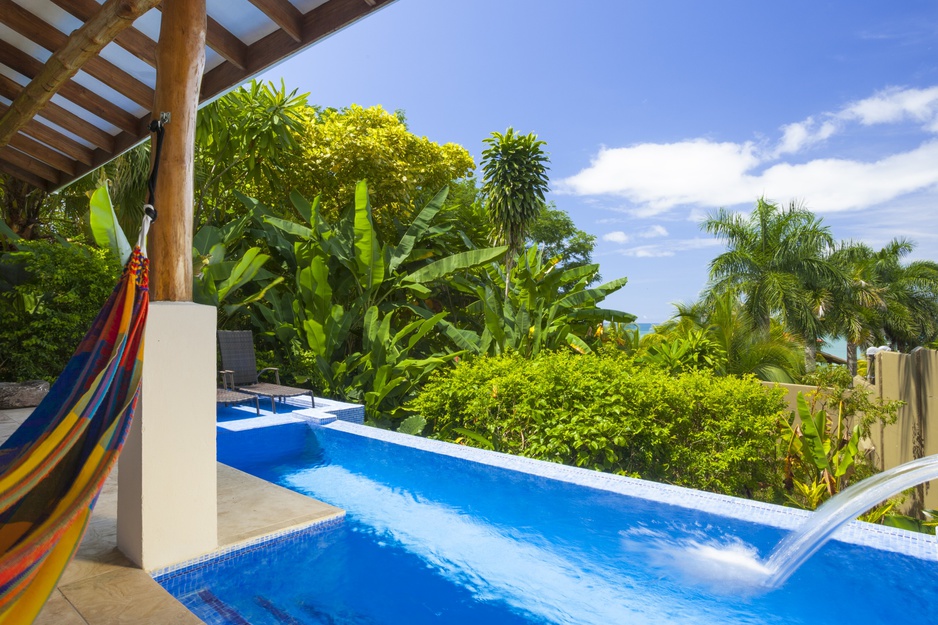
{"x": 432, "y": 538}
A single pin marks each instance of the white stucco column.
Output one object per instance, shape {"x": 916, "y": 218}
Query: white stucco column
{"x": 166, "y": 507}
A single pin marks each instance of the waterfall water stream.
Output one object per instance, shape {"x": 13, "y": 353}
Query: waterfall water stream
{"x": 801, "y": 544}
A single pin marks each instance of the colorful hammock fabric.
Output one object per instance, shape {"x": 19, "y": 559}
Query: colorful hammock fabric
{"x": 55, "y": 464}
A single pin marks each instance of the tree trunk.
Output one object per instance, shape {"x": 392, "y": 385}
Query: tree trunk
{"x": 810, "y": 354}
{"x": 852, "y": 358}
{"x": 180, "y": 58}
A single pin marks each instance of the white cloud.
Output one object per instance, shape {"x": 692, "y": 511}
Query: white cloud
{"x": 703, "y": 174}
{"x": 669, "y": 248}
{"x": 660, "y": 176}
{"x": 653, "y": 231}
{"x": 617, "y": 236}
{"x": 895, "y": 105}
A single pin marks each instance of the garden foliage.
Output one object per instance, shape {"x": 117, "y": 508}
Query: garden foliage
{"x": 49, "y": 295}
{"x": 601, "y": 411}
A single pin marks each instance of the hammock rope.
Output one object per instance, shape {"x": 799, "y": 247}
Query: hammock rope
{"x": 52, "y": 468}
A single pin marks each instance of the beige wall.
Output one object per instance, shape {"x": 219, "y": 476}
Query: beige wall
{"x": 910, "y": 378}
{"x": 167, "y": 471}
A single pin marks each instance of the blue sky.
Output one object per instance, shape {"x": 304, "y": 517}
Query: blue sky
{"x": 657, "y": 113}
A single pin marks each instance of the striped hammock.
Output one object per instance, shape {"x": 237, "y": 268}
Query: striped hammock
{"x": 53, "y": 467}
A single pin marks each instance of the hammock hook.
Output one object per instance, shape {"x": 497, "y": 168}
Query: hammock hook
{"x": 157, "y": 127}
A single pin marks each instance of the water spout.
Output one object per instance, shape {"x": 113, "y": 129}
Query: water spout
{"x": 801, "y": 544}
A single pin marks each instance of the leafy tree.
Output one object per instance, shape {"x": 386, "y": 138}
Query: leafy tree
{"x": 884, "y": 299}
{"x": 554, "y": 232}
{"x": 514, "y": 175}
{"x": 777, "y": 259}
{"x": 339, "y": 148}
{"x": 858, "y": 308}
{"x": 246, "y": 140}
{"x": 910, "y": 314}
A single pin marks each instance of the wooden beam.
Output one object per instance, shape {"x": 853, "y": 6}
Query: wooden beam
{"x": 44, "y": 153}
{"x": 227, "y": 45}
{"x": 284, "y": 15}
{"x": 130, "y": 39}
{"x": 53, "y": 138}
{"x": 317, "y": 24}
{"x": 28, "y": 163}
{"x": 113, "y": 17}
{"x": 25, "y": 176}
{"x": 62, "y": 117}
{"x": 50, "y": 38}
{"x": 16, "y": 59}
{"x": 180, "y": 59}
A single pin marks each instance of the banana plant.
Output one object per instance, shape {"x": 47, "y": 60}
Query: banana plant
{"x": 546, "y": 308}
{"x": 820, "y": 453}
{"x": 216, "y": 279}
{"x": 356, "y": 308}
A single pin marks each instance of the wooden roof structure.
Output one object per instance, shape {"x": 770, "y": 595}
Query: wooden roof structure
{"x": 78, "y": 77}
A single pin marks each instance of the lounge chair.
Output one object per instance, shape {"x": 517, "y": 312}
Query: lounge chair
{"x": 228, "y": 395}
{"x": 237, "y": 358}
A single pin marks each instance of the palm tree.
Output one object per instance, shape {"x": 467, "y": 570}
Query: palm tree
{"x": 514, "y": 181}
{"x": 910, "y": 314}
{"x": 859, "y": 304}
{"x": 769, "y": 355}
{"x": 777, "y": 260}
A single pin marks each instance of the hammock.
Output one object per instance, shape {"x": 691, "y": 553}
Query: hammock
{"x": 55, "y": 464}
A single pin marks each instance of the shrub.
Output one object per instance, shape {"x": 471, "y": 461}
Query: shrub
{"x": 600, "y": 411}
{"x": 45, "y": 313}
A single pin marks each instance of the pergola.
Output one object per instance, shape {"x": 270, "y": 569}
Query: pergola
{"x": 80, "y": 82}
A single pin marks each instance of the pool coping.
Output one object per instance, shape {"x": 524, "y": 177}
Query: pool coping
{"x": 922, "y": 546}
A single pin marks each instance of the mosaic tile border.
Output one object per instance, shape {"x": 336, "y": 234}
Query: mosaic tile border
{"x": 864, "y": 534}
{"x": 237, "y": 549}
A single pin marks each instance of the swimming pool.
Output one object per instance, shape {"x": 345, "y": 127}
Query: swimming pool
{"x": 438, "y": 533}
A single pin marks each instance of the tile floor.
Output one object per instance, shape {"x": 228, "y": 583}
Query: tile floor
{"x": 102, "y": 587}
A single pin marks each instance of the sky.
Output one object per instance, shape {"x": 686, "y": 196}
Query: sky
{"x": 658, "y": 113}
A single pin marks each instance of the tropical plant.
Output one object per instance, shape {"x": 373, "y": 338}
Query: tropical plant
{"x": 514, "y": 176}
{"x": 777, "y": 260}
{"x": 216, "y": 280}
{"x": 355, "y": 312}
{"x": 545, "y": 308}
{"x": 769, "y": 354}
{"x": 820, "y": 442}
{"x": 680, "y": 351}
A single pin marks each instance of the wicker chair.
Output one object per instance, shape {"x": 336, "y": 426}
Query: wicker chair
{"x": 228, "y": 395}
{"x": 237, "y": 358}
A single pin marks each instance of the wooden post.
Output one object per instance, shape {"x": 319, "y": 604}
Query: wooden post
{"x": 180, "y": 59}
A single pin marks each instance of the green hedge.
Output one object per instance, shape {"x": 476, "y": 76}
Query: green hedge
{"x": 603, "y": 412}
{"x": 46, "y": 310}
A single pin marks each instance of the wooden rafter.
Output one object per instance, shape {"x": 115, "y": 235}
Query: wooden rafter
{"x": 50, "y": 38}
{"x": 284, "y": 15}
{"x": 55, "y": 75}
{"x": 48, "y": 136}
{"x": 129, "y": 39}
{"x": 48, "y": 145}
{"x": 317, "y": 24}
